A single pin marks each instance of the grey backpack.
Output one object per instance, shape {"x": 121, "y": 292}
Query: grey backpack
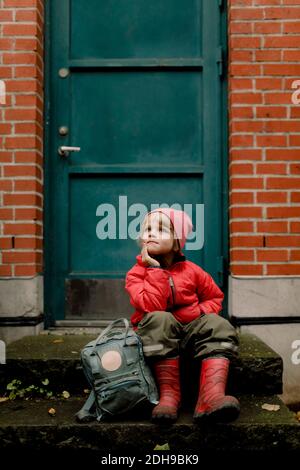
{"x": 116, "y": 371}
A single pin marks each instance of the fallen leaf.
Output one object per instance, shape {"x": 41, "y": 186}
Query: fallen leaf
{"x": 74, "y": 352}
{"x": 52, "y": 411}
{"x": 86, "y": 391}
{"x": 65, "y": 394}
{"x": 298, "y": 415}
{"x": 2, "y": 399}
{"x": 58, "y": 341}
{"x": 163, "y": 447}
{"x": 269, "y": 407}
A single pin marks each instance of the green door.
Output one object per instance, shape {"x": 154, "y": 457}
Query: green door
{"x": 136, "y": 85}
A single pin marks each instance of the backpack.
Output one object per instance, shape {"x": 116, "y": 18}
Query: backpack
{"x": 116, "y": 371}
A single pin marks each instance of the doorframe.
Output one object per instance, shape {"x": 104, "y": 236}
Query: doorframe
{"x": 48, "y": 215}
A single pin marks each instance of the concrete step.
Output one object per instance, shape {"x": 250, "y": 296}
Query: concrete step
{"x": 26, "y": 426}
{"x": 258, "y": 369}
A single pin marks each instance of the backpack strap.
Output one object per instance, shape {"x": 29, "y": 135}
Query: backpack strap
{"x": 86, "y": 413}
{"x": 110, "y": 327}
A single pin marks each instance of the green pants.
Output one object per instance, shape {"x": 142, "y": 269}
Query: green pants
{"x": 208, "y": 335}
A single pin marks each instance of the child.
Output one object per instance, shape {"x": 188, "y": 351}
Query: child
{"x": 176, "y": 306}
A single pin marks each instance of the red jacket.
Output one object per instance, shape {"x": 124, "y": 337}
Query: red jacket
{"x": 184, "y": 289}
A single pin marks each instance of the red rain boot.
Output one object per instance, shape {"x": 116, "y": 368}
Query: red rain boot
{"x": 167, "y": 376}
{"x": 212, "y": 401}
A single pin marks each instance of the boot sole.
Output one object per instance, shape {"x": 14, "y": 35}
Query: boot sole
{"x": 163, "y": 419}
{"x": 223, "y": 415}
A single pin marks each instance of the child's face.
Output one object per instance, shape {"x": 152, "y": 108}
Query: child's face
{"x": 158, "y": 234}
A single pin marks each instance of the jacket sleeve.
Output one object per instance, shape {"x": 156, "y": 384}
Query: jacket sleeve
{"x": 209, "y": 294}
{"x": 148, "y": 288}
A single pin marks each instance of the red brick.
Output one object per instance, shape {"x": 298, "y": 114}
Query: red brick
{"x": 283, "y": 183}
{"x": 26, "y": 44}
{"x": 272, "y": 141}
{"x": 21, "y": 257}
{"x": 21, "y": 142}
{"x": 242, "y": 255}
{"x": 19, "y": 58}
{"x": 281, "y": 13}
{"x": 21, "y": 200}
{"x": 283, "y": 154}
{"x": 27, "y": 270}
{"x": 247, "y": 126}
{"x": 295, "y": 197}
{"x": 5, "y": 185}
{"x": 240, "y": 70}
{"x": 6, "y": 16}
{"x": 241, "y": 84}
{"x": 267, "y": 27}
{"x": 291, "y": 27}
{"x": 283, "y": 270}
{"x": 245, "y": 42}
{"x": 241, "y": 112}
{"x": 20, "y": 3}
{"x": 282, "y": 42}
{"x": 282, "y": 240}
{"x": 295, "y": 255}
{"x": 272, "y": 227}
{"x": 271, "y": 169}
{"x": 283, "y": 212}
{"x": 19, "y": 30}
{"x": 267, "y": 55}
{"x": 246, "y": 154}
{"x": 6, "y": 214}
{"x": 22, "y": 229}
{"x": 236, "y": 227}
{"x": 272, "y": 255}
{"x": 241, "y": 198}
{"x": 28, "y": 243}
{"x": 5, "y": 243}
{"x": 295, "y": 227}
{"x": 5, "y": 72}
{"x": 247, "y": 183}
{"x": 28, "y": 214}
{"x": 241, "y": 169}
{"x": 241, "y": 140}
{"x": 246, "y": 98}
{"x": 246, "y": 270}
{"x": 245, "y": 212}
{"x": 268, "y": 84}
{"x": 295, "y": 140}
{"x": 246, "y": 241}
{"x": 5, "y": 270}
{"x": 28, "y": 185}
{"x": 26, "y": 15}
{"x": 271, "y": 197}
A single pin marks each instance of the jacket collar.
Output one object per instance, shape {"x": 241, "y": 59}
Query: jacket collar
{"x": 179, "y": 256}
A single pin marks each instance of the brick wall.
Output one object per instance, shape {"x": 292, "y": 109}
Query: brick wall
{"x": 264, "y": 172}
{"x": 21, "y": 138}
{"x": 264, "y": 38}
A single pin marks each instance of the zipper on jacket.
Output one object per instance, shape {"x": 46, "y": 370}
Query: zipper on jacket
{"x": 171, "y": 282}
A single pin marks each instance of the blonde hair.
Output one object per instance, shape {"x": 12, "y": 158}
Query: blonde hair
{"x": 176, "y": 244}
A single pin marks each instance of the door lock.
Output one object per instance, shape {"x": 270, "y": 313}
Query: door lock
{"x": 65, "y": 150}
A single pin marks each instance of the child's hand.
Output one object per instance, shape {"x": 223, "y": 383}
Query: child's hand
{"x": 146, "y": 258}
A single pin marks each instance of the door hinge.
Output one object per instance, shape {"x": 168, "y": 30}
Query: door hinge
{"x": 222, "y": 269}
{"x": 220, "y": 60}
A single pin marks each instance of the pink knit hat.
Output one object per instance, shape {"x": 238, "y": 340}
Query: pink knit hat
{"x": 181, "y": 222}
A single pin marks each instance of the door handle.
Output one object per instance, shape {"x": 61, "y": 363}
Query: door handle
{"x": 65, "y": 150}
